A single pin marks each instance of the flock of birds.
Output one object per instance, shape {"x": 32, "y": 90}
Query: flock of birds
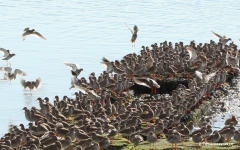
{"x": 11, "y": 76}
{"x": 91, "y": 121}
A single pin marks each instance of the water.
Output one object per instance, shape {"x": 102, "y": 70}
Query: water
{"x": 84, "y": 32}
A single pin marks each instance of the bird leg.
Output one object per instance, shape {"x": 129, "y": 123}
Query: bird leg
{"x": 152, "y": 91}
{"x": 128, "y": 140}
{"x": 30, "y": 93}
{"x": 194, "y": 65}
{"x": 118, "y": 136}
{"x": 219, "y": 84}
{"x": 205, "y": 140}
{"x": 155, "y": 89}
{"x": 175, "y": 146}
{"x": 182, "y": 141}
{"x": 146, "y": 124}
{"x": 153, "y": 120}
{"x": 228, "y": 140}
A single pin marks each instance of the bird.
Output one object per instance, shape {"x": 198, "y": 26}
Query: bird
{"x": 108, "y": 64}
{"x": 224, "y": 38}
{"x": 31, "y": 85}
{"x": 197, "y": 138}
{"x": 205, "y": 78}
{"x": 134, "y": 34}
{"x": 12, "y": 76}
{"x": 232, "y": 60}
{"x": 31, "y": 32}
{"x": 75, "y": 68}
{"x": 7, "y": 55}
{"x": 232, "y": 119}
{"x": 214, "y": 138}
{"x": 193, "y": 55}
{"x": 147, "y": 82}
{"x": 151, "y": 138}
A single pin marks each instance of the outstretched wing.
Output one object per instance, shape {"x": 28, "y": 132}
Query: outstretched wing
{"x": 23, "y": 83}
{"x": 38, "y": 82}
{"x": 26, "y": 29}
{"x": 104, "y": 59}
{"x": 73, "y": 67}
{"x": 199, "y": 74}
{"x": 227, "y": 56}
{"x": 192, "y": 53}
{"x": 4, "y": 52}
{"x": 143, "y": 82}
{"x": 215, "y": 34}
{"x": 155, "y": 83}
{"x": 129, "y": 28}
{"x": 19, "y": 72}
{"x": 6, "y": 69}
{"x": 208, "y": 77}
{"x": 37, "y": 35}
{"x": 80, "y": 88}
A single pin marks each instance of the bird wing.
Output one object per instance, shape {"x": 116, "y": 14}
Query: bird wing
{"x": 199, "y": 74}
{"x": 155, "y": 83}
{"x": 93, "y": 93}
{"x": 192, "y": 53}
{"x": 73, "y": 67}
{"x": 208, "y": 77}
{"x": 141, "y": 82}
{"x": 37, "y": 35}
{"x": 19, "y": 72}
{"x": 104, "y": 59}
{"x": 38, "y": 83}
{"x": 107, "y": 65}
{"x": 227, "y": 56}
{"x": 74, "y": 80}
{"x": 215, "y": 34}
{"x": 129, "y": 28}
{"x": 6, "y": 69}
{"x": 4, "y": 52}
{"x": 26, "y": 29}
{"x": 80, "y": 88}
{"x": 23, "y": 83}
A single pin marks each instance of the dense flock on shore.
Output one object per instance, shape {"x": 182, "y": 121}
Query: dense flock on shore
{"x": 100, "y": 113}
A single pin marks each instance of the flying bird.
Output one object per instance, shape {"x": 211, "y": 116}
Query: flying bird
{"x": 134, "y": 34}
{"x": 147, "y": 82}
{"x": 31, "y": 85}
{"x": 224, "y": 38}
{"x": 6, "y": 54}
{"x": 31, "y": 32}
{"x": 205, "y": 78}
{"x": 193, "y": 55}
{"x": 12, "y": 76}
{"x": 108, "y": 65}
{"x": 75, "y": 68}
